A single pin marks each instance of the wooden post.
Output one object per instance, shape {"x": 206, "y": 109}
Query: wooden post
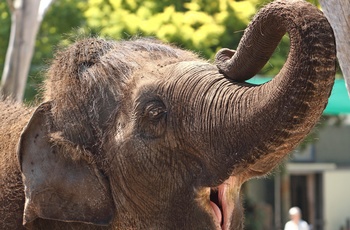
{"x": 277, "y": 200}
{"x": 310, "y": 188}
{"x": 285, "y": 196}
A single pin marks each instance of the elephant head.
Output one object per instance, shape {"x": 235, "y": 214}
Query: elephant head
{"x": 140, "y": 134}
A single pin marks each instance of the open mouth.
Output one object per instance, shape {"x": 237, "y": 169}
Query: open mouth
{"x": 216, "y": 205}
{"x": 222, "y": 202}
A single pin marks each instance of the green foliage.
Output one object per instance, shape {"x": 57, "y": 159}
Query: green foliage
{"x": 200, "y": 25}
{"x": 5, "y": 22}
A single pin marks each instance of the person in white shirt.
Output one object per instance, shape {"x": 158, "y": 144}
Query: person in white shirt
{"x": 296, "y": 223}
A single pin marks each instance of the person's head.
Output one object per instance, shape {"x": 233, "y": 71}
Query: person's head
{"x": 295, "y": 214}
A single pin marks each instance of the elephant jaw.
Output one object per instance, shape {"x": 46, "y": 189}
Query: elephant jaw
{"x": 224, "y": 202}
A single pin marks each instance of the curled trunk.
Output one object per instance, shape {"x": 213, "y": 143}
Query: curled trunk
{"x": 277, "y": 115}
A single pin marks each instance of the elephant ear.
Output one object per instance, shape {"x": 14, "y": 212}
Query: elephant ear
{"x": 56, "y": 187}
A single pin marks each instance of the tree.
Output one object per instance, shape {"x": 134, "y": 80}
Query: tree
{"x": 200, "y": 25}
{"x": 338, "y": 14}
{"x": 26, "y": 17}
{"x": 63, "y": 24}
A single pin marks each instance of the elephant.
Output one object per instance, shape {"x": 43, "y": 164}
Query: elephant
{"x": 140, "y": 134}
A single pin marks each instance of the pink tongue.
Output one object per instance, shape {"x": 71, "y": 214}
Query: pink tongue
{"x": 217, "y": 212}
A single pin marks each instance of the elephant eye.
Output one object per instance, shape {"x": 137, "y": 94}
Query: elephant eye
{"x": 155, "y": 110}
{"x": 153, "y": 120}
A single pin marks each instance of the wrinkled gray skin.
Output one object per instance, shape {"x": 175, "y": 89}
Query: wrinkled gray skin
{"x": 140, "y": 135}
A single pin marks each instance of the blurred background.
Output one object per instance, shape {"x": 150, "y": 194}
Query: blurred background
{"x": 315, "y": 177}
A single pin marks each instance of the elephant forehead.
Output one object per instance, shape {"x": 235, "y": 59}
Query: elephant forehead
{"x": 189, "y": 80}
{"x": 185, "y": 71}
{"x": 104, "y": 64}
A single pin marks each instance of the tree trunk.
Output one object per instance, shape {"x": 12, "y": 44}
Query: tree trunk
{"x": 26, "y": 17}
{"x": 338, "y": 14}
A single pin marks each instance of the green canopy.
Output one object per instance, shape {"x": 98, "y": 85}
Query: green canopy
{"x": 339, "y": 101}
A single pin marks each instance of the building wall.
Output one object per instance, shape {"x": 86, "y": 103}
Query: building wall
{"x": 336, "y": 196}
{"x": 333, "y": 145}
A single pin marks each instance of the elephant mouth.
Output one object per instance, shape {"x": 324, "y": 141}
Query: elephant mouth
{"x": 222, "y": 203}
